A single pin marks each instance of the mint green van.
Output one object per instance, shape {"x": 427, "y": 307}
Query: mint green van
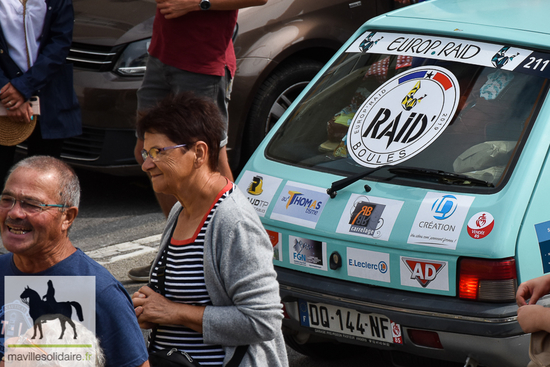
{"x": 406, "y": 190}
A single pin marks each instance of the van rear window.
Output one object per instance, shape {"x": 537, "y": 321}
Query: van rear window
{"x": 418, "y": 109}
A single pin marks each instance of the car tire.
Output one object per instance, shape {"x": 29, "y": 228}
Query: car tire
{"x": 274, "y": 97}
{"x": 322, "y": 350}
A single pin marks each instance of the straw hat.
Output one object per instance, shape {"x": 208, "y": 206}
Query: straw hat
{"x": 14, "y": 132}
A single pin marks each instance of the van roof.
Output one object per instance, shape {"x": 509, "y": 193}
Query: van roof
{"x": 522, "y": 22}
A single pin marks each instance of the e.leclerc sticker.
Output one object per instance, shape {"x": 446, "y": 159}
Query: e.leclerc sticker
{"x": 403, "y": 116}
{"x": 480, "y": 225}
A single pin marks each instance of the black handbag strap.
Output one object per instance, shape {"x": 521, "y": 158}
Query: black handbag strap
{"x": 240, "y": 351}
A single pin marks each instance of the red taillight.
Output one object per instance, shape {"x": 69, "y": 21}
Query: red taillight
{"x": 487, "y": 280}
{"x": 425, "y": 338}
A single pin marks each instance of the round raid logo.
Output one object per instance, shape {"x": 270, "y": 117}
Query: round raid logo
{"x": 480, "y": 225}
{"x": 403, "y": 116}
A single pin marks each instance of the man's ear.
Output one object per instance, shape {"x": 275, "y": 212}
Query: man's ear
{"x": 70, "y": 214}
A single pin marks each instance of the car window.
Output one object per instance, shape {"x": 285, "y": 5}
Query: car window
{"x": 466, "y": 112}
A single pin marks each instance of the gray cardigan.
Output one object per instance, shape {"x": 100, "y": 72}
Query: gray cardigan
{"x": 241, "y": 282}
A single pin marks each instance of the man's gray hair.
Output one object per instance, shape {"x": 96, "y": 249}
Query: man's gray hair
{"x": 67, "y": 178}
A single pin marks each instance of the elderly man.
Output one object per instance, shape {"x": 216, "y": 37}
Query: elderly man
{"x": 37, "y": 207}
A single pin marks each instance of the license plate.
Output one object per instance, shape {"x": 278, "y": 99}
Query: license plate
{"x": 334, "y": 320}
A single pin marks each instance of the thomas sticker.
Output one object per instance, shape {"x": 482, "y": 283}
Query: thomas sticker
{"x": 368, "y": 264}
{"x": 259, "y": 189}
{"x": 422, "y": 273}
{"x": 439, "y": 220}
{"x": 300, "y": 204}
{"x": 369, "y": 217}
{"x": 403, "y": 116}
{"x": 480, "y": 225}
{"x": 308, "y": 253}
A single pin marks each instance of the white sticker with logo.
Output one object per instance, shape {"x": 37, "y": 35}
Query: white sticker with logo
{"x": 371, "y": 217}
{"x": 439, "y": 220}
{"x": 480, "y": 225}
{"x": 308, "y": 253}
{"x": 422, "y": 273}
{"x": 259, "y": 189}
{"x": 300, "y": 204}
{"x": 441, "y": 48}
{"x": 368, "y": 264}
{"x": 403, "y": 116}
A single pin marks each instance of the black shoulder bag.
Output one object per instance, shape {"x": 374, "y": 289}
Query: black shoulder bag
{"x": 175, "y": 357}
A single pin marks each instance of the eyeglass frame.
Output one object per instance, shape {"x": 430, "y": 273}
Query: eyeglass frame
{"x": 39, "y": 205}
{"x": 145, "y": 154}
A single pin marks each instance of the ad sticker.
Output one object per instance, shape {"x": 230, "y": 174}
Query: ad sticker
{"x": 259, "y": 189}
{"x": 422, "y": 273}
{"x": 300, "y": 204}
{"x": 308, "y": 253}
{"x": 368, "y": 264}
{"x": 480, "y": 225}
{"x": 371, "y": 217}
{"x": 439, "y": 220}
{"x": 403, "y": 116}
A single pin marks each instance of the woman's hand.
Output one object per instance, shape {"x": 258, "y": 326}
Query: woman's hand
{"x": 23, "y": 114}
{"x": 10, "y": 97}
{"x": 152, "y": 308}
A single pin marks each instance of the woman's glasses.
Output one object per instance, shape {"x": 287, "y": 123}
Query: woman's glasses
{"x": 154, "y": 152}
{"x": 29, "y": 206}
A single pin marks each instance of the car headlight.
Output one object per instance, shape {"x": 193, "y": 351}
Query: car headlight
{"x": 133, "y": 59}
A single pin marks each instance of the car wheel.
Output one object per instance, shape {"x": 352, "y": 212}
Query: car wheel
{"x": 321, "y": 350}
{"x": 273, "y": 98}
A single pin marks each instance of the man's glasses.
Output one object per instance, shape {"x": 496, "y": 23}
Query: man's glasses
{"x": 29, "y": 206}
{"x": 154, "y": 152}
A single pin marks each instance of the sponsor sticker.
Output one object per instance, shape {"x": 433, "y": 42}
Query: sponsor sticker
{"x": 423, "y": 273}
{"x": 396, "y": 333}
{"x": 308, "y": 253}
{"x": 403, "y": 116}
{"x": 300, "y": 204}
{"x": 480, "y": 225}
{"x": 497, "y": 56}
{"x": 368, "y": 264}
{"x": 439, "y": 220}
{"x": 276, "y": 241}
{"x": 259, "y": 190}
{"x": 543, "y": 235}
{"x": 371, "y": 217}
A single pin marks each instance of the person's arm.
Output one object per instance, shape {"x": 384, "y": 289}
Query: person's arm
{"x": 533, "y": 289}
{"x": 53, "y": 52}
{"x": 152, "y": 308}
{"x": 533, "y": 318}
{"x": 176, "y": 8}
{"x": 245, "y": 293}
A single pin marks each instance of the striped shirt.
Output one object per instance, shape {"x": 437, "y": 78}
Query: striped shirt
{"x": 184, "y": 283}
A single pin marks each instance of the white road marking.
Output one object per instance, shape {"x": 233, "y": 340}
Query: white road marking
{"x": 125, "y": 250}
